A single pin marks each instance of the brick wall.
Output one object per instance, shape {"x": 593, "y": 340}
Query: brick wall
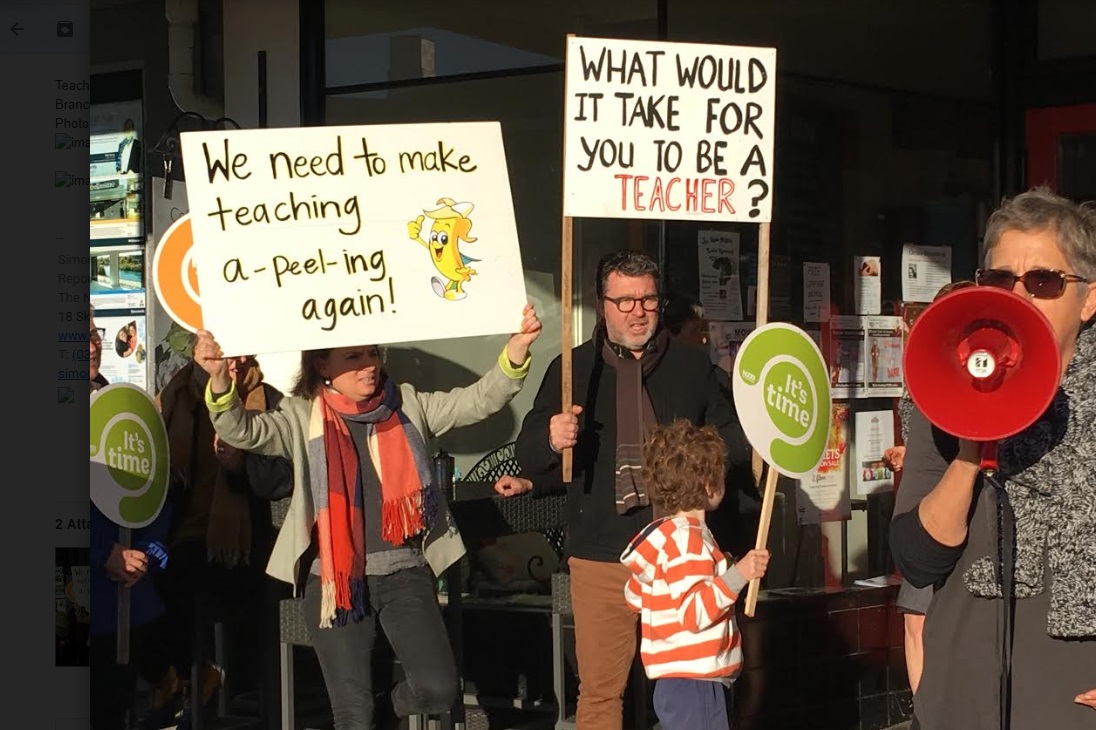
{"x": 823, "y": 660}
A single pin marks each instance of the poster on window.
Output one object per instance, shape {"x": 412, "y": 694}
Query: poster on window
{"x": 867, "y": 284}
{"x": 823, "y": 496}
{"x": 848, "y": 378}
{"x": 883, "y": 347}
{"x": 118, "y": 269}
{"x": 116, "y": 148}
{"x": 873, "y": 435}
{"x": 125, "y": 338}
{"x": 658, "y": 130}
{"x": 717, "y": 266}
{"x": 816, "y": 292}
{"x": 925, "y": 270}
{"x": 724, "y": 341}
{"x": 319, "y": 237}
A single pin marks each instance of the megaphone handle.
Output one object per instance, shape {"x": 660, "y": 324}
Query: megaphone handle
{"x": 989, "y": 457}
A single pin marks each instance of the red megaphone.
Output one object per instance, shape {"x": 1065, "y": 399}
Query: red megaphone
{"x": 982, "y": 364}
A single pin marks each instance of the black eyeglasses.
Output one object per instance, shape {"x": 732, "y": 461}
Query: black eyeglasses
{"x": 97, "y": 334}
{"x": 627, "y": 304}
{"x": 1039, "y": 283}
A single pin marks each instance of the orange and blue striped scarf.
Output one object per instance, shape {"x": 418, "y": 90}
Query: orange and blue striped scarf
{"x": 408, "y": 496}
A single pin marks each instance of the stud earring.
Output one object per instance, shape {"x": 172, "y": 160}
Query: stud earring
{"x": 327, "y": 383}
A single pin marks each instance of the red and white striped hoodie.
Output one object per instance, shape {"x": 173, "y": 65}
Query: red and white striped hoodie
{"x": 685, "y": 591}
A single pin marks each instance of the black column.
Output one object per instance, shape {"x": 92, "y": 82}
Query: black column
{"x": 313, "y": 76}
{"x": 1013, "y": 49}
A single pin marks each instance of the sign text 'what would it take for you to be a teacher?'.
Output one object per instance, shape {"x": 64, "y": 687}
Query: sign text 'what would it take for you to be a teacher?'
{"x": 669, "y": 130}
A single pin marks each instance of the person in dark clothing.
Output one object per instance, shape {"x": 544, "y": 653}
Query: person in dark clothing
{"x": 684, "y": 318}
{"x": 134, "y": 565}
{"x": 220, "y": 538}
{"x": 628, "y": 378}
{"x": 945, "y": 530}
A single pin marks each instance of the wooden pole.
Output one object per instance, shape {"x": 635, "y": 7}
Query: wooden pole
{"x": 762, "y": 535}
{"x": 122, "y": 648}
{"x": 769, "y": 493}
{"x": 566, "y": 294}
{"x": 566, "y": 321}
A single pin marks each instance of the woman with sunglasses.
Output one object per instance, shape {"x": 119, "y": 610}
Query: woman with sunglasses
{"x": 1043, "y": 247}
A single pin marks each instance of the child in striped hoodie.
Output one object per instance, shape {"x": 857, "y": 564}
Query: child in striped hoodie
{"x": 683, "y": 585}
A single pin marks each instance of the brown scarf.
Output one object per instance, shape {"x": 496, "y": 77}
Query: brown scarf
{"x": 635, "y": 415}
{"x": 215, "y": 512}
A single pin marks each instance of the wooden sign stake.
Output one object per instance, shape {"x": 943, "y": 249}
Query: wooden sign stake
{"x": 566, "y": 294}
{"x": 122, "y": 648}
{"x": 769, "y": 493}
{"x": 566, "y": 322}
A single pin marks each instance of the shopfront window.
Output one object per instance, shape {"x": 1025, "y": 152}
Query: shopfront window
{"x": 883, "y": 147}
{"x": 381, "y": 42}
{"x": 881, "y": 144}
{"x": 515, "y": 53}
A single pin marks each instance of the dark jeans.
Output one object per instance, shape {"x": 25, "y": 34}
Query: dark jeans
{"x": 198, "y": 594}
{"x": 113, "y": 685}
{"x": 407, "y": 607}
{"x": 691, "y": 704}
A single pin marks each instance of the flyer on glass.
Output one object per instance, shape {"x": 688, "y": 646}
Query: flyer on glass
{"x": 925, "y": 270}
{"x": 816, "y": 292}
{"x": 874, "y": 434}
{"x": 847, "y": 372}
{"x": 724, "y": 341}
{"x": 717, "y": 267}
{"x": 884, "y": 350}
{"x": 823, "y": 496}
{"x": 868, "y": 292}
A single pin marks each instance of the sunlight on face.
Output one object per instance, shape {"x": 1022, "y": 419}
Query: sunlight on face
{"x": 631, "y": 330}
{"x": 1023, "y": 251}
{"x": 353, "y": 371}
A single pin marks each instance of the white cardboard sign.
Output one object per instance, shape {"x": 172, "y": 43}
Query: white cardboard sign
{"x": 659, "y": 130}
{"x": 320, "y": 237}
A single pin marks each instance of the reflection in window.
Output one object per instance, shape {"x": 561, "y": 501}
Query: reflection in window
{"x": 378, "y": 43}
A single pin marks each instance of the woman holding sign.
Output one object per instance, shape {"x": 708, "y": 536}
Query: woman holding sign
{"x": 365, "y": 509}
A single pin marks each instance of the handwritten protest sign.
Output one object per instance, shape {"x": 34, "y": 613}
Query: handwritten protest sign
{"x": 662, "y": 130}
{"x": 332, "y": 236}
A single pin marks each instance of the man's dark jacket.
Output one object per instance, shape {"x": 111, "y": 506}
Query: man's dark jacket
{"x": 684, "y": 384}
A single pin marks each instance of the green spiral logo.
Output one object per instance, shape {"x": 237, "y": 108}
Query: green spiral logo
{"x": 129, "y": 455}
{"x": 782, "y": 393}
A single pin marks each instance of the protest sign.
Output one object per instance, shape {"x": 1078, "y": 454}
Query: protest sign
{"x": 782, "y": 392}
{"x": 129, "y": 455}
{"x": 130, "y": 468}
{"x": 322, "y": 237}
{"x": 659, "y": 130}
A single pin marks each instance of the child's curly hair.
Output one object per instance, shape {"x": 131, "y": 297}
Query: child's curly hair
{"x": 680, "y": 462}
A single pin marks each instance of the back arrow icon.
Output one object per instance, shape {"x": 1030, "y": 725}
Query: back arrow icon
{"x": 16, "y": 29}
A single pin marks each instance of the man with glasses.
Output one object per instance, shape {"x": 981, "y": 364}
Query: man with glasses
{"x": 627, "y": 378}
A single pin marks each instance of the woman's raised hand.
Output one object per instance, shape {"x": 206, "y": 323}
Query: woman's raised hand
{"x": 517, "y": 349}
{"x": 209, "y": 357}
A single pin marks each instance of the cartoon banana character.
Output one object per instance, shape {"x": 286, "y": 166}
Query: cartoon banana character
{"x": 451, "y": 226}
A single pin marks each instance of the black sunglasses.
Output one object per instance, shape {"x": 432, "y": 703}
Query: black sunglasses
{"x": 1039, "y": 283}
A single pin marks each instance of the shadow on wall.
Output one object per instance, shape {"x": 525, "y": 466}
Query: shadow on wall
{"x": 428, "y": 372}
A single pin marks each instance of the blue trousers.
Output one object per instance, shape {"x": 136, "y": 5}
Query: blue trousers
{"x": 691, "y": 704}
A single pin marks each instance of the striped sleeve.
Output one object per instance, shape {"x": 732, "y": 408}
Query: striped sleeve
{"x": 632, "y": 594}
{"x": 701, "y": 595}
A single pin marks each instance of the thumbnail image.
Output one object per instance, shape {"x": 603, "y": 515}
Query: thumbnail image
{"x": 72, "y": 607}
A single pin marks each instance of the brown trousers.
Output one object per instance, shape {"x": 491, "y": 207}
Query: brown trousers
{"x": 605, "y": 642}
